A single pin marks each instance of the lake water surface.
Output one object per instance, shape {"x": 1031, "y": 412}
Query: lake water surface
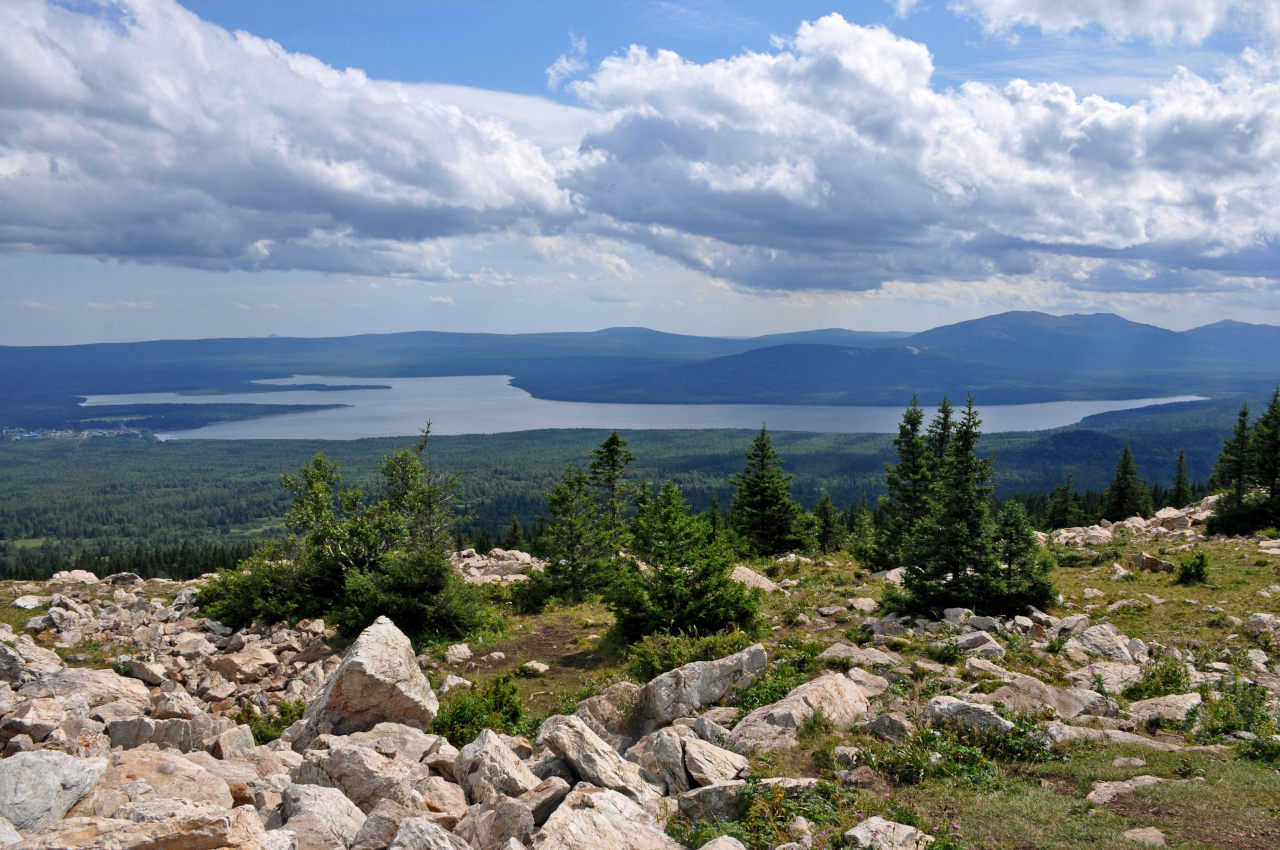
{"x": 488, "y": 404}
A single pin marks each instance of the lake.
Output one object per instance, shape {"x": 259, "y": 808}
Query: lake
{"x": 488, "y": 404}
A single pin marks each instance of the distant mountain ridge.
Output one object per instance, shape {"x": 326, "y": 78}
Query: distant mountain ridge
{"x": 1004, "y": 358}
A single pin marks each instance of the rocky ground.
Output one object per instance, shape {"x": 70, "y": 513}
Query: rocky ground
{"x": 843, "y": 727}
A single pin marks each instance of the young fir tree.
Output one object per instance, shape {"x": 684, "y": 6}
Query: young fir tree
{"x": 1233, "y": 468}
{"x": 1180, "y": 494}
{"x": 1064, "y": 507}
{"x": 577, "y": 542}
{"x": 1127, "y": 495}
{"x": 952, "y": 561}
{"x": 687, "y": 587}
{"x": 609, "y": 462}
{"x": 907, "y": 501}
{"x": 1264, "y": 448}
{"x": 514, "y": 538}
{"x": 938, "y": 437}
{"x": 1023, "y": 578}
{"x": 764, "y": 514}
{"x": 830, "y": 530}
{"x": 861, "y": 532}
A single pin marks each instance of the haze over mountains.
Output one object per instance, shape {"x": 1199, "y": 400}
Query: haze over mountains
{"x": 1016, "y": 357}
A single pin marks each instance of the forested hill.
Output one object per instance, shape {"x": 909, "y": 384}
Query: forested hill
{"x": 1008, "y": 358}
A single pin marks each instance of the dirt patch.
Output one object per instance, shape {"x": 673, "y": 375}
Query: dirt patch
{"x": 1187, "y": 825}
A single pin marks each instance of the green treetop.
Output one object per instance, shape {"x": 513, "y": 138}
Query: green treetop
{"x": 764, "y": 514}
{"x": 1127, "y": 495}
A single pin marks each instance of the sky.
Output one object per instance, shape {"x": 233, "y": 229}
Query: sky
{"x": 721, "y": 167}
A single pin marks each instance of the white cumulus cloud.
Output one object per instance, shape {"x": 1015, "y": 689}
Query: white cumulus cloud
{"x": 135, "y": 129}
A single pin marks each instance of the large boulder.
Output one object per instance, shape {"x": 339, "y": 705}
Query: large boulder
{"x": 193, "y": 828}
{"x": 775, "y": 726}
{"x": 364, "y": 775}
{"x": 601, "y": 819}
{"x": 592, "y": 759}
{"x": 171, "y": 775}
{"x": 949, "y": 711}
{"x": 687, "y": 690}
{"x": 323, "y": 818}
{"x": 84, "y": 688}
{"x": 23, "y": 660}
{"x": 423, "y": 834}
{"x": 708, "y": 764}
{"x": 378, "y": 680}
{"x": 39, "y": 787}
{"x": 1103, "y": 640}
{"x": 487, "y": 766}
{"x": 1174, "y": 708}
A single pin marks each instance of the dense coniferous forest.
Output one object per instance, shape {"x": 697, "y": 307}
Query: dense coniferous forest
{"x": 137, "y": 497}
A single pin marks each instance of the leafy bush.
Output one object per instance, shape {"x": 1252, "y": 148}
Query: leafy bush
{"x": 931, "y": 754}
{"x": 1165, "y": 675}
{"x": 1238, "y": 705}
{"x": 268, "y": 586}
{"x": 1261, "y": 749}
{"x": 497, "y": 706}
{"x": 686, "y": 587}
{"x": 268, "y": 727}
{"x": 655, "y": 654}
{"x": 945, "y": 652}
{"x": 420, "y": 591}
{"x": 1194, "y": 570}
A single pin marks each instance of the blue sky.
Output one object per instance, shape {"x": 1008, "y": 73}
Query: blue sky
{"x": 236, "y": 168}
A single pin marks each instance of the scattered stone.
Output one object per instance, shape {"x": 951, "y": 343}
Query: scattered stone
{"x": 751, "y": 578}
{"x": 876, "y": 833}
{"x": 458, "y": 653}
{"x": 1105, "y": 792}
{"x": 534, "y": 668}
{"x": 946, "y": 710}
{"x": 1148, "y": 835}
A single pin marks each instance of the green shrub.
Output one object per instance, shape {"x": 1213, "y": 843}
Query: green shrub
{"x": 1165, "y": 675}
{"x": 268, "y": 586}
{"x": 931, "y": 754}
{"x": 655, "y": 654}
{"x": 946, "y": 652}
{"x": 497, "y": 706}
{"x": 1194, "y": 570}
{"x": 1237, "y": 705}
{"x": 686, "y": 587}
{"x": 1261, "y": 749}
{"x": 268, "y": 727}
{"x": 421, "y": 592}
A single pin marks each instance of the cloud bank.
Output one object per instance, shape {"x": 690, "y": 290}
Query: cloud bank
{"x": 139, "y": 132}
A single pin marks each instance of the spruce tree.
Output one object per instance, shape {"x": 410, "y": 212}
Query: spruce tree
{"x": 1233, "y": 467}
{"x": 830, "y": 529}
{"x": 687, "y": 587}
{"x": 609, "y": 462}
{"x": 764, "y": 514}
{"x": 953, "y": 561}
{"x": 907, "y": 501}
{"x": 1064, "y": 508}
{"x": 576, "y": 541}
{"x": 1180, "y": 495}
{"x": 514, "y": 538}
{"x": 1127, "y": 495}
{"x": 1264, "y": 448}
{"x": 1023, "y": 578}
